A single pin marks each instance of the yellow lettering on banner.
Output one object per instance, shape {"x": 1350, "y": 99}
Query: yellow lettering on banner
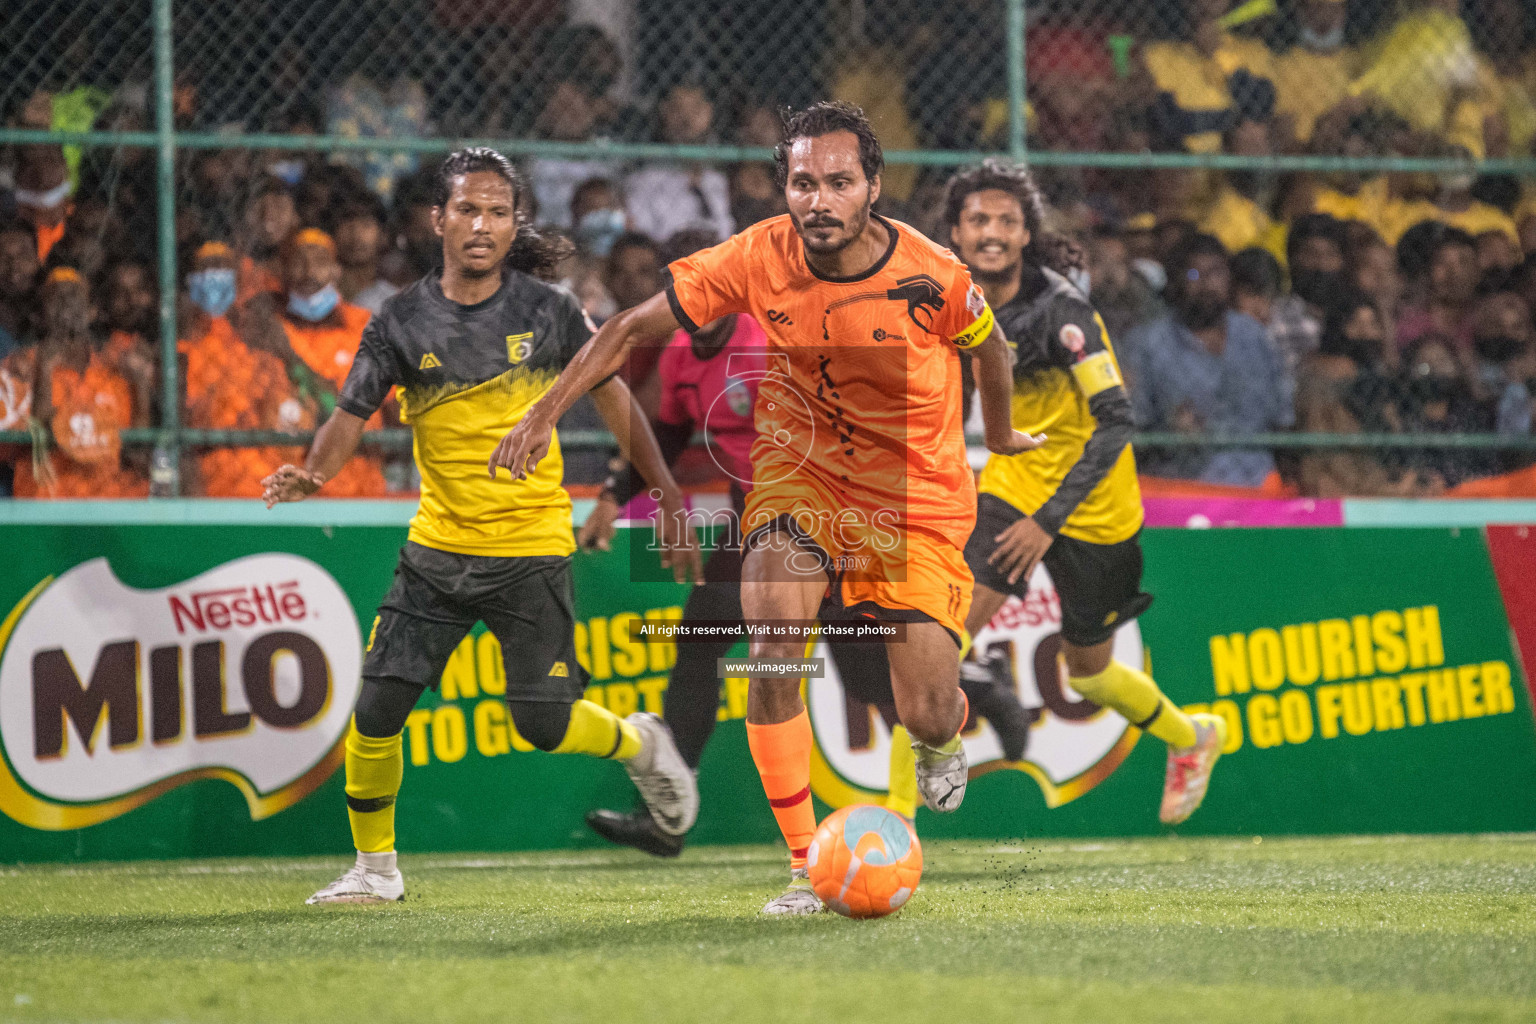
{"x": 1295, "y": 716}
{"x": 595, "y": 695}
{"x": 491, "y": 728}
{"x": 1443, "y": 706}
{"x": 735, "y": 690}
{"x": 1365, "y": 661}
{"x": 1413, "y": 690}
{"x": 1266, "y": 661}
{"x": 663, "y": 653}
{"x": 581, "y": 640}
{"x": 651, "y": 690}
{"x": 1357, "y": 708}
{"x": 1466, "y": 683}
{"x": 1301, "y": 664}
{"x": 1328, "y": 710}
{"x": 1387, "y": 632}
{"x": 1264, "y": 721}
{"x": 629, "y": 653}
{"x": 1498, "y": 696}
{"x": 1228, "y": 709}
{"x": 602, "y": 665}
{"x": 492, "y": 669}
{"x": 623, "y": 699}
{"x": 1338, "y": 659}
{"x": 416, "y": 727}
{"x": 1229, "y": 663}
{"x": 448, "y": 739}
{"x": 1421, "y": 628}
{"x": 459, "y": 674}
{"x": 1387, "y": 700}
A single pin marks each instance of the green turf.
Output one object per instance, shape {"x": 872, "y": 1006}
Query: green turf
{"x": 1399, "y": 930}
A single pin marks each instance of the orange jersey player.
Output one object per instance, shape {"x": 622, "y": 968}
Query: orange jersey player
{"x": 861, "y": 498}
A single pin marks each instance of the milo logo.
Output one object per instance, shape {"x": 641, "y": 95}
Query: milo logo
{"x": 110, "y": 696}
{"x": 1073, "y": 744}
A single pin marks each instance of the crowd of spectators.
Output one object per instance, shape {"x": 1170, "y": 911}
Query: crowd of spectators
{"x": 1239, "y": 302}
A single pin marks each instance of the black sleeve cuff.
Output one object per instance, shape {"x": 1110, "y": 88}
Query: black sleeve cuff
{"x": 354, "y": 407}
{"x": 683, "y": 318}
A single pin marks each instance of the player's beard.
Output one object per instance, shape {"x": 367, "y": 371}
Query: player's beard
{"x": 994, "y": 278}
{"x": 856, "y": 228}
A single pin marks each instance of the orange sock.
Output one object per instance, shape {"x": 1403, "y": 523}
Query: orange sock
{"x": 782, "y": 754}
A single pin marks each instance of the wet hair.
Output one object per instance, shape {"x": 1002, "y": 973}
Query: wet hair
{"x": 1045, "y": 248}
{"x": 532, "y": 252}
{"x": 824, "y": 118}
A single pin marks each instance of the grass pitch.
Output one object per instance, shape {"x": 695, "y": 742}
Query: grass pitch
{"x": 1351, "y": 929}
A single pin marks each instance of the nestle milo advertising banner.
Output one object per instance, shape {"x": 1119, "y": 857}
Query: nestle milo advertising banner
{"x": 183, "y": 691}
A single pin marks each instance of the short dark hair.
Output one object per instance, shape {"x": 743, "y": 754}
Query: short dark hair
{"x": 1255, "y": 271}
{"x": 1316, "y": 225}
{"x": 824, "y": 118}
{"x": 1182, "y": 256}
{"x": 532, "y": 252}
{"x": 1045, "y": 248}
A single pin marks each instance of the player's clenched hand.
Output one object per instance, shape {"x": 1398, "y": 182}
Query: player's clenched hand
{"x": 597, "y": 532}
{"x": 290, "y": 483}
{"x": 679, "y": 544}
{"x": 1016, "y": 441}
{"x": 1019, "y": 549}
{"x": 520, "y": 452}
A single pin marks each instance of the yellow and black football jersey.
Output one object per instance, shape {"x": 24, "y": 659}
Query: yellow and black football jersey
{"x": 466, "y": 375}
{"x": 1067, "y": 385}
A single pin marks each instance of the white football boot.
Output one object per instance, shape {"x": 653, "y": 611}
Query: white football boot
{"x": 664, "y": 780}
{"x": 374, "y": 878}
{"x": 799, "y": 898}
{"x": 941, "y": 777}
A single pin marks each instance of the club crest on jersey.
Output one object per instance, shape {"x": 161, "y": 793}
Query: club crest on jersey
{"x": 1073, "y": 339}
{"x": 738, "y": 396}
{"x": 519, "y": 347}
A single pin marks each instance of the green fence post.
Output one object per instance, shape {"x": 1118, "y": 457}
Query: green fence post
{"x": 1018, "y": 134}
{"x": 165, "y": 161}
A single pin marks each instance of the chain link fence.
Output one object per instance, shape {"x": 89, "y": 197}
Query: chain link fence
{"x": 1145, "y": 121}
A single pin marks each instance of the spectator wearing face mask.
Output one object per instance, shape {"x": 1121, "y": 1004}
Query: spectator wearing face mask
{"x": 84, "y": 401}
{"x": 231, "y": 384}
{"x": 597, "y": 213}
{"x": 1314, "y": 254}
{"x": 1436, "y": 397}
{"x": 1505, "y": 363}
{"x": 325, "y": 332}
{"x": 1313, "y": 75}
{"x": 1447, "y": 291}
{"x": 359, "y": 245}
{"x": 1207, "y": 368}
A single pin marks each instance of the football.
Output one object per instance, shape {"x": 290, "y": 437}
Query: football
{"x": 864, "y": 861}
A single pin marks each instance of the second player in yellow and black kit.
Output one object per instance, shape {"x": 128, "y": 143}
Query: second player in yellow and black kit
{"x": 470, "y": 351}
{"x": 1072, "y": 504}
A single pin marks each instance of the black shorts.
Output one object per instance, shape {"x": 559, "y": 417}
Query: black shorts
{"x": 1099, "y": 585}
{"x": 436, "y": 599}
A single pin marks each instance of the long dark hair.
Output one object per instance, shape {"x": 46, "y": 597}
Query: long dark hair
{"x": 1046, "y": 248}
{"x": 532, "y": 252}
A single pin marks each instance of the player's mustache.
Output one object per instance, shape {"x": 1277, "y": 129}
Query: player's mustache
{"x": 822, "y": 222}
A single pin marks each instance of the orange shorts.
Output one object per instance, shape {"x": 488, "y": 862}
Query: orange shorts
{"x": 881, "y": 566}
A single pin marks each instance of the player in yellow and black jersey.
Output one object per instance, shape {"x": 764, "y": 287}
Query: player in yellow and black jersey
{"x": 1073, "y": 503}
{"x": 470, "y": 350}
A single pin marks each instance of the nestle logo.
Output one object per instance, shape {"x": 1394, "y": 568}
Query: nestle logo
{"x": 239, "y": 606}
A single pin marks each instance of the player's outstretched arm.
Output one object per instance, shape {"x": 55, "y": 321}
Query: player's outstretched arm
{"x": 994, "y": 379}
{"x": 521, "y": 450}
{"x": 637, "y": 443}
{"x": 335, "y": 443}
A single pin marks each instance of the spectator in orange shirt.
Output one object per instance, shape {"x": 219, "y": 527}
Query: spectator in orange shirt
{"x": 85, "y": 398}
{"x": 325, "y": 332}
{"x": 128, "y": 314}
{"x": 233, "y": 385}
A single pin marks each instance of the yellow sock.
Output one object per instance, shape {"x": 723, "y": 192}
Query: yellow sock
{"x": 1134, "y": 695}
{"x": 375, "y": 766}
{"x": 598, "y": 732}
{"x": 901, "y": 796}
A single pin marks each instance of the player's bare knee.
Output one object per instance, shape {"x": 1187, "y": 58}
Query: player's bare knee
{"x": 933, "y": 718}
